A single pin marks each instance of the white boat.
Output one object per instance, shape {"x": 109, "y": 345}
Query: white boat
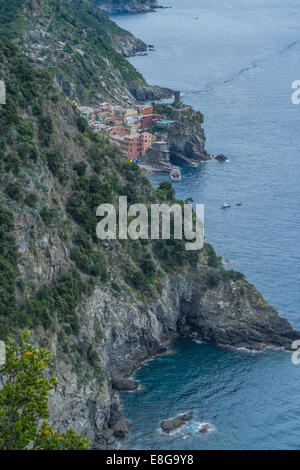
{"x": 175, "y": 174}
{"x": 225, "y": 205}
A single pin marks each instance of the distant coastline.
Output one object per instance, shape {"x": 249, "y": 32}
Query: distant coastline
{"x": 129, "y": 6}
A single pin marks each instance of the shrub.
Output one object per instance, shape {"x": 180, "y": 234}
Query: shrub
{"x": 13, "y": 190}
{"x": 47, "y": 215}
{"x": 54, "y": 160}
{"x": 213, "y": 279}
{"x": 12, "y": 162}
{"x": 165, "y": 191}
{"x": 232, "y": 275}
{"x": 55, "y": 303}
{"x": 148, "y": 266}
{"x": 80, "y": 168}
{"x": 24, "y": 150}
{"x": 86, "y": 259}
{"x": 213, "y": 260}
{"x": 31, "y": 199}
{"x": 81, "y": 124}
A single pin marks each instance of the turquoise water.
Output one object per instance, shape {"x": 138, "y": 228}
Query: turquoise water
{"x": 234, "y": 60}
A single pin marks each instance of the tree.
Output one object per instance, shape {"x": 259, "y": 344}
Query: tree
{"x": 24, "y": 401}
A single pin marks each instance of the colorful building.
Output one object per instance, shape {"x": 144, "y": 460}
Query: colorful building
{"x": 133, "y": 145}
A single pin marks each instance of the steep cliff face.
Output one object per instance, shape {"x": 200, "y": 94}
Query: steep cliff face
{"x": 187, "y": 139}
{"x": 128, "y": 6}
{"x": 188, "y": 306}
{"x": 84, "y": 50}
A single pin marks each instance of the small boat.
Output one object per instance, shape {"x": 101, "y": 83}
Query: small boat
{"x": 225, "y": 205}
{"x": 175, "y": 174}
{"x": 239, "y": 203}
{"x": 228, "y": 261}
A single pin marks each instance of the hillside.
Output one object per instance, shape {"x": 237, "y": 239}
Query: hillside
{"x": 80, "y": 46}
{"x": 101, "y": 307}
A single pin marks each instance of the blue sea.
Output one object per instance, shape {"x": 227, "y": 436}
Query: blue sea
{"x": 235, "y": 60}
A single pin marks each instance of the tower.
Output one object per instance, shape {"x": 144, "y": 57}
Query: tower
{"x": 177, "y": 98}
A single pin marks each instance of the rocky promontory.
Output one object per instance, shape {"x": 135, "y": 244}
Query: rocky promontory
{"x": 184, "y": 132}
{"x": 187, "y": 138}
{"x": 128, "y": 6}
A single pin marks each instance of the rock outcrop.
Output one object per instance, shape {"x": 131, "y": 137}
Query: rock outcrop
{"x": 205, "y": 427}
{"x": 221, "y": 158}
{"x": 187, "y": 138}
{"x": 125, "y": 384}
{"x": 170, "y": 425}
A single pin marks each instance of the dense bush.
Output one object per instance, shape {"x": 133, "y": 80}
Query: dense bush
{"x": 54, "y": 160}
{"x": 57, "y": 303}
{"x": 87, "y": 195}
{"x": 14, "y": 191}
{"x": 80, "y": 168}
{"x": 81, "y": 124}
{"x": 165, "y": 191}
{"x": 31, "y": 199}
{"x": 213, "y": 260}
{"x": 86, "y": 259}
{"x": 47, "y": 215}
{"x": 12, "y": 162}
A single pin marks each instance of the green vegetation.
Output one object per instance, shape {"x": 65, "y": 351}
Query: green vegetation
{"x": 56, "y": 305}
{"x": 31, "y": 199}
{"x": 12, "y": 20}
{"x": 213, "y": 260}
{"x": 24, "y": 401}
{"x": 88, "y": 193}
{"x": 14, "y": 191}
{"x": 54, "y": 160}
{"x": 8, "y": 269}
{"x": 90, "y": 58}
{"x": 86, "y": 259}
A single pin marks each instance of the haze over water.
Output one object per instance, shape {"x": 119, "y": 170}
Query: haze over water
{"x": 235, "y": 61}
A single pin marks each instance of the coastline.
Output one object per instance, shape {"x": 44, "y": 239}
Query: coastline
{"x": 247, "y": 347}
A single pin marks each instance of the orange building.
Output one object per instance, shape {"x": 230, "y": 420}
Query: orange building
{"x": 133, "y": 145}
{"x": 148, "y": 110}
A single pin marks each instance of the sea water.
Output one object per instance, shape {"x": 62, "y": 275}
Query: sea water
{"x": 235, "y": 60}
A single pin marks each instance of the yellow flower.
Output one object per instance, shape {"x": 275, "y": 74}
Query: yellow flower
{"x": 28, "y": 353}
{"x": 45, "y": 432}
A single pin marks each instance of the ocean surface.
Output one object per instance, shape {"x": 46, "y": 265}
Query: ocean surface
{"x": 234, "y": 60}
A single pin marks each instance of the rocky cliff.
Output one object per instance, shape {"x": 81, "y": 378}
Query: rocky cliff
{"x": 188, "y": 306}
{"x": 101, "y": 307}
{"x": 83, "y": 49}
{"x": 128, "y": 6}
{"x": 187, "y": 138}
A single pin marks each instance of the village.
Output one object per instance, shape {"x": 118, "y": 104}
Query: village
{"x": 139, "y": 132}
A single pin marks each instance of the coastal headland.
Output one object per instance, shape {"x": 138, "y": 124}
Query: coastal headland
{"x": 101, "y": 307}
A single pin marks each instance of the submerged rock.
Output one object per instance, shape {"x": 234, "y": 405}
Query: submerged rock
{"x": 221, "y": 158}
{"x": 169, "y": 425}
{"x": 204, "y": 427}
{"x": 122, "y": 428}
